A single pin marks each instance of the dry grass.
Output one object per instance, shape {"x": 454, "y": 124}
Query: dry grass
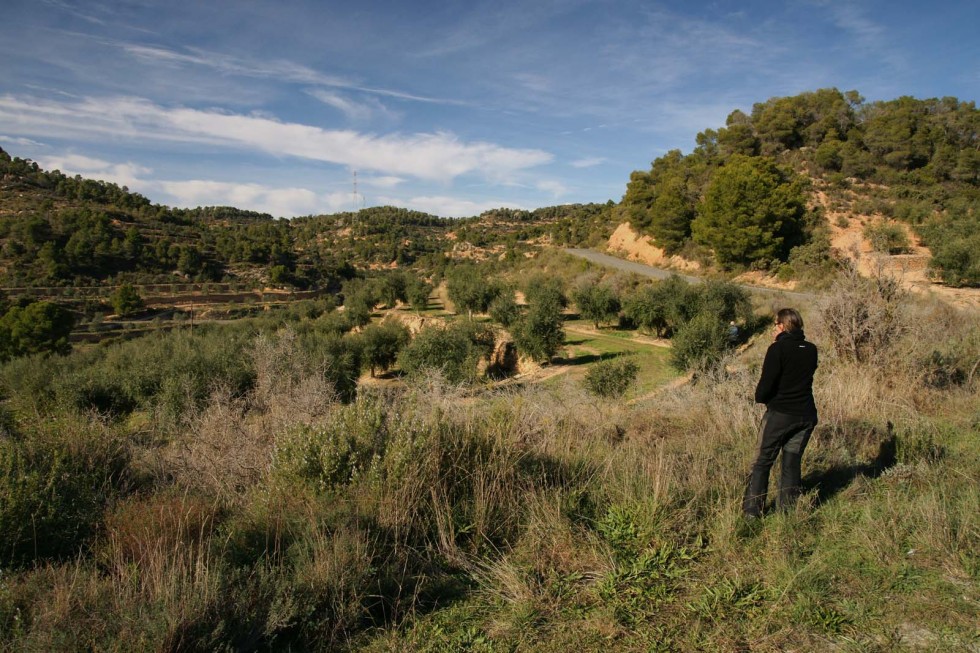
{"x": 509, "y": 519}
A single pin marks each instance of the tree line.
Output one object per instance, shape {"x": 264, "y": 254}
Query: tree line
{"x": 740, "y": 195}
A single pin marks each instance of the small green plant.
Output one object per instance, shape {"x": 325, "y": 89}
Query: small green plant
{"x": 699, "y": 343}
{"x": 638, "y": 586}
{"x": 54, "y": 487}
{"x": 729, "y": 598}
{"x": 826, "y": 618}
{"x": 888, "y": 238}
{"x": 335, "y": 454}
{"x": 611, "y": 378}
{"x": 918, "y": 446}
{"x": 126, "y": 300}
{"x": 620, "y": 529}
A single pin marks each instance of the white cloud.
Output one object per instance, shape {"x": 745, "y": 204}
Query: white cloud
{"x": 556, "y": 188}
{"x": 125, "y": 174}
{"x": 589, "y": 162}
{"x": 26, "y": 142}
{"x": 382, "y": 181}
{"x": 279, "y": 202}
{"x": 448, "y": 207}
{"x": 358, "y": 111}
{"x": 439, "y": 156}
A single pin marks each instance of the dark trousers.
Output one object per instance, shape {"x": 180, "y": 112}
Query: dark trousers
{"x": 778, "y": 432}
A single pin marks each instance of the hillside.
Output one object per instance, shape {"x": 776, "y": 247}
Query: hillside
{"x": 783, "y": 189}
{"x": 903, "y": 173}
{"x": 62, "y": 231}
{"x": 490, "y": 445}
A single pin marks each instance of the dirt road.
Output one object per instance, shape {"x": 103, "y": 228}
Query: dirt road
{"x": 657, "y": 273}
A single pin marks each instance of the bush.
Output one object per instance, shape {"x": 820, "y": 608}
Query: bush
{"x": 662, "y": 307}
{"x": 126, "y": 300}
{"x": 337, "y": 358}
{"x": 956, "y": 260}
{"x": 540, "y": 333}
{"x": 54, "y": 487}
{"x": 40, "y": 327}
{"x": 597, "y": 302}
{"x": 449, "y": 350}
{"x": 864, "y": 317}
{"x": 611, "y": 378}
{"x": 699, "y": 343}
{"x": 887, "y": 238}
{"x": 382, "y": 342}
{"x": 504, "y": 310}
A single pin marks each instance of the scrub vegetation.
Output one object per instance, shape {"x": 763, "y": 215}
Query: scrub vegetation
{"x": 490, "y": 445}
{"x": 225, "y": 489}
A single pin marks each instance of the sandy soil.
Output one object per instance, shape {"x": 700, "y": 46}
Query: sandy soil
{"x": 848, "y": 239}
{"x": 642, "y": 250}
{"x": 912, "y": 270}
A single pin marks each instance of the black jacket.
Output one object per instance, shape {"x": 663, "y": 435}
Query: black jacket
{"x": 786, "y": 384}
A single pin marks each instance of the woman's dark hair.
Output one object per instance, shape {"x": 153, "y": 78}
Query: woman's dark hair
{"x": 790, "y": 318}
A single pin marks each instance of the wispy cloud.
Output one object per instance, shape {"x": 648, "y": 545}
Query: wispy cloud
{"x": 382, "y": 181}
{"x": 354, "y": 110}
{"x": 870, "y": 37}
{"x": 279, "y": 70}
{"x": 555, "y": 188}
{"x": 18, "y": 140}
{"x": 589, "y": 162}
{"x": 439, "y": 156}
{"x": 64, "y": 6}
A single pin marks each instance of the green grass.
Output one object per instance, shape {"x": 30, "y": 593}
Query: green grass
{"x": 583, "y": 346}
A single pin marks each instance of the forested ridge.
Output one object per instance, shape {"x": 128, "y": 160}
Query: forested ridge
{"x": 740, "y": 195}
{"x": 57, "y": 230}
{"x": 741, "y": 198}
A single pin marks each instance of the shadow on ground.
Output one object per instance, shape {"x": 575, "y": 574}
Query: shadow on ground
{"x": 834, "y": 479}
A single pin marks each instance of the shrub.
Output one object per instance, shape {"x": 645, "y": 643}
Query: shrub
{"x": 611, "y": 378}
{"x": 699, "y": 343}
{"x": 597, "y": 302}
{"x": 662, "y": 307}
{"x": 887, "y": 238}
{"x": 504, "y": 310}
{"x": 448, "y": 350}
{"x": 863, "y": 317}
{"x": 956, "y": 260}
{"x": 540, "y": 334}
{"x": 126, "y": 300}
{"x": 337, "y": 358}
{"x": 418, "y": 292}
{"x": 470, "y": 290}
{"x": 725, "y": 300}
{"x": 54, "y": 487}
{"x": 40, "y": 327}
{"x": 382, "y": 342}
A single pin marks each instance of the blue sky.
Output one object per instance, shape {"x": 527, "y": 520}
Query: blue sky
{"x": 450, "y": 107}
